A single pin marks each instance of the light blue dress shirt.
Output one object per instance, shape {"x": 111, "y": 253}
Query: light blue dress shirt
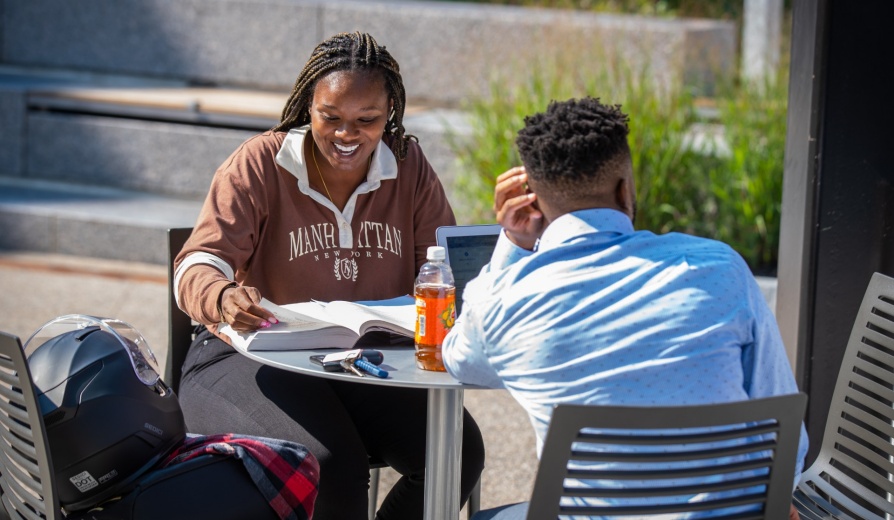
{"x": 603, "y": 314}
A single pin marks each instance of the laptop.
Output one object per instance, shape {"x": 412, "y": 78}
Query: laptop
{"x": 469, "y": 248}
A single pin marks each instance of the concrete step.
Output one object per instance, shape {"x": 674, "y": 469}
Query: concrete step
{"x": 89, "y": 221}
{"x": 163, "y": 138}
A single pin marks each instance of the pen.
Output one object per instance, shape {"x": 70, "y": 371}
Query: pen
{"x": 368, "y": 367}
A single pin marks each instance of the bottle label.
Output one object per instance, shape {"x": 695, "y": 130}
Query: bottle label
{"x": 435, "y": 313}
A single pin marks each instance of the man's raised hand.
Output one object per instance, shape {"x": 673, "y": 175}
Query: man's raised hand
{"x": 516, "y": 208}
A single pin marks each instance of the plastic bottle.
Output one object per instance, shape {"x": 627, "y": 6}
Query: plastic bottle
{"x": 435, "y": 309}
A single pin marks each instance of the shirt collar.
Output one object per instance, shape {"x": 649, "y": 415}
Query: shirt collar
{"x": 291, "y": 157}
{"x": 606, "y": 222}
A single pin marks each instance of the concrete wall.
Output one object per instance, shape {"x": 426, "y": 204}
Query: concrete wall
{"x": 12, "y": 130}
{"x": 163, "y": 158}
{"x": 447, "y": 51}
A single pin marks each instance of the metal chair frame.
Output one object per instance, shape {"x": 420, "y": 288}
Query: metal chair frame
{"x": 767, "y": 430}
{"x": 26, "y": 477}
{"x": 853, "y": 475}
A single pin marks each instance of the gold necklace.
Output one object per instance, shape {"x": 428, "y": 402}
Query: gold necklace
{"x": 313, "y": 154}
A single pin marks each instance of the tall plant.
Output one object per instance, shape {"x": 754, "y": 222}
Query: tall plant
{"x": 729, "y": 192}
{"x": 749, "y": 187}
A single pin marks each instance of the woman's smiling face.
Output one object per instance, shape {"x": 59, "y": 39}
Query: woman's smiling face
{"x": 348, "y": 113}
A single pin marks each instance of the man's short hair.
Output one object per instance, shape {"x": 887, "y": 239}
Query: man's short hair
{"x": 574, "y": 144}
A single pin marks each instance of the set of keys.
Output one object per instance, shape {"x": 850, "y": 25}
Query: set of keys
{"x": 360, "y": 362}
{"x": 355, "y": 363}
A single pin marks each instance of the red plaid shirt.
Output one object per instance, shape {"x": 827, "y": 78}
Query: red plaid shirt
{"x": 286, "y": 473}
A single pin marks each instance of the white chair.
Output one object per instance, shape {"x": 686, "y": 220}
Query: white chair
{"x": 26, "y": 477}
{"x": 853, "y": 475}
{"x": 767, "y": 430}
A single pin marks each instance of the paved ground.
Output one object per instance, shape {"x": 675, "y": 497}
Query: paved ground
{"x": 39, "y": 287}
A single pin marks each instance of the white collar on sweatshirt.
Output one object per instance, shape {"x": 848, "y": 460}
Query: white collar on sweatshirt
{"x": 291, "y": 157}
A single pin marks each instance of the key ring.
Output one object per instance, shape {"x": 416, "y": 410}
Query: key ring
{"x": 357, "y": 364}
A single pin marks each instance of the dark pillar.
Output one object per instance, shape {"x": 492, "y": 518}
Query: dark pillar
{"x": 838, "y": 198}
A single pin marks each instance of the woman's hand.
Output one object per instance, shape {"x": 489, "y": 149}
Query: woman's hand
{"x": 793, "y": 513}
{"x": 240, "y": 307}
{"x": 516, "y": 208}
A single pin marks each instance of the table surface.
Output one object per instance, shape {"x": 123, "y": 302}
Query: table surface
{"x": 400, "y": 362}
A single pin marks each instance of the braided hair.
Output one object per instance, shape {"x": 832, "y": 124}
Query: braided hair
{"x": 351, "y": 52}
{"x": 574, "y": 144}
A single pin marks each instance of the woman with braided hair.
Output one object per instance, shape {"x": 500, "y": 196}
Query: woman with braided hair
{"x": 336, "y": 202}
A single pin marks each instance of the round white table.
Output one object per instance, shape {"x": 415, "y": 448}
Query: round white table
{"x": 444, "y": 422}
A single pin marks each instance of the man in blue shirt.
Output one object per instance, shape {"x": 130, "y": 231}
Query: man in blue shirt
{"x": 578, "y": 307}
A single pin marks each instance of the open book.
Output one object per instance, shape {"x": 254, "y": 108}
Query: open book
{"x": 337, "y": 324}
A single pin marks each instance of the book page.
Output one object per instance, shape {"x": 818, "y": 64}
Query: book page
{"x": 301, "y": 325}
{"x": 286, "y": 337}
{"x": 396, "y": 314}
{"x": 304, "y": 315}
{"x": 239, "y": 340}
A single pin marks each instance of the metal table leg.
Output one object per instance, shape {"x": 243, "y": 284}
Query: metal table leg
{"x": 444, "y": 438}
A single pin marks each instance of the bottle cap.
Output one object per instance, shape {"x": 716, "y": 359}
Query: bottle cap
{"x": 436, "y": 253}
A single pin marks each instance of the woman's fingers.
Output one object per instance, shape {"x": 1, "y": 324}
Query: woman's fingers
{"x": 241, "y": 309}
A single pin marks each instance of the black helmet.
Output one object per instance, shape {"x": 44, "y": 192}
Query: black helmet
{"x": 109, "y": 417}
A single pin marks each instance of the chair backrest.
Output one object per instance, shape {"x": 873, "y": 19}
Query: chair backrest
{"x": 180, "y": 325}
{"x": 854, "y": 469}
{"x": 641, "y": 461}
{"x": 26, "y": 477}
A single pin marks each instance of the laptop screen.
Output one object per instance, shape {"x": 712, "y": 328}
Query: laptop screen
{"x": 469, "y": 248}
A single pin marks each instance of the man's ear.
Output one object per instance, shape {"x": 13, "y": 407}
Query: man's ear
{"x": 625, "y": 197}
